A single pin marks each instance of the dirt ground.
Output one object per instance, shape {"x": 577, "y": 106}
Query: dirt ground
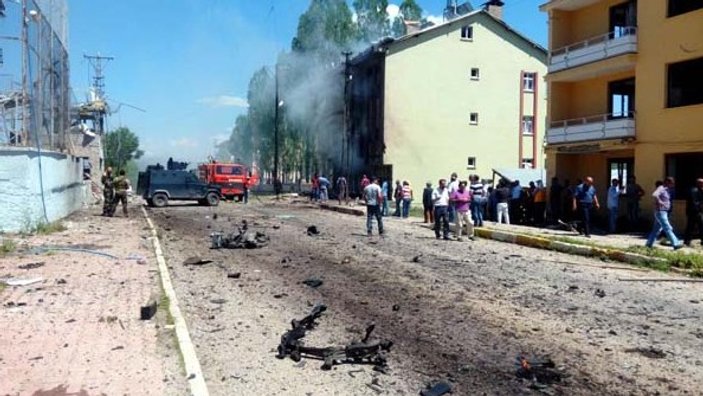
{"x": 456, "y": 311}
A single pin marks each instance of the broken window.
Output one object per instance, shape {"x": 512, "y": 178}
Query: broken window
{"x": 471, "y": 163}
{"x": 467, "y": 33}
{"x": 528, "y": 125}
{"x": 622, "y": 98}
{"x": 528, "y": 82}
{"x": 473, "y": 119}
{"x": 678, "y": 7}
{"x": 685, "y": 168}
{"x": 527, "y": 163}
{"x": 474, "y": 73}
{"x": 685, "y": 82}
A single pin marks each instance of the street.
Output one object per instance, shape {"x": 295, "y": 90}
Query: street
{"x": 455, "y": 311}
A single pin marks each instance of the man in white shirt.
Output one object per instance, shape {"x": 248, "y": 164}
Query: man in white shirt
{"x": 373, "y": 196}
{"x": 452, "y": 187}
{"x": 440, "y": 199}
{"x": 614, "y": 193}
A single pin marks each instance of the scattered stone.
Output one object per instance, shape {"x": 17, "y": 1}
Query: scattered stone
{"x": 234, "y": 275}
{"x": 613, "y": 332}
{"x": 196, "y": 260}
{"x": 192, "y": 376}
{"x": 30, "y": 266}
{"x": 396, "y": 308}
{"x": 70, "y": 321}
{"x": 650, "y": 352}
{"x": 148, "y": 311}
{"x": 61, "y": 281}
{"x": 218, "y": 301}
{"x": 312, "y": 230}
{"x": 281, "y": 295}
{"x": 600, "y": 293}
{"x": 214, "y": 216}
{"x": 437, "y": 389}
{"x": 37, "y": 358}
{"x": 276, "y": 227}
{"x": 569, "y": 330}
{"x": 572, "y": 288}
{"x": 313, "y": 282}
{"x": 417, "y": 259}
{"x": 117, "y": 348}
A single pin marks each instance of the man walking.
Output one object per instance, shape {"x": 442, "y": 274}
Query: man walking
{"x": 555, "y": 191}
{"x": 461, "y": 199}
{"x": 342, "y": 190}
{"x": 398, "y": 196}
{"x": 324, "y": 188}
{"x": 440, "y": 200}
{"x": 121, "y": 184}
{"x": 407, "y": 198}
{"x": 694, "y": 213}
{"x": 478, "y": 200}
{"x": 386, "y": 197}
{"x": 108, "y": 191}
{"x": 373, "y": 196}
{"x": 662, "y": 204}
{"x": 614, "y": 193}
{"x": 428, "y": 209}
{"x": 585, "y": 199}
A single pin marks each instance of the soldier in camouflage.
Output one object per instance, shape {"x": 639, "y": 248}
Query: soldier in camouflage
{"x": 108, "y": 191}
{"x": 121, "y": 186}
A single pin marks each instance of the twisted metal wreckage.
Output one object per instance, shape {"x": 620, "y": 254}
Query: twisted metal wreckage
{"x": 365, "y": 351}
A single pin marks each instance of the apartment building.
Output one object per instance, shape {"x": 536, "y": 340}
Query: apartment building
{"x": 626, "y": 92}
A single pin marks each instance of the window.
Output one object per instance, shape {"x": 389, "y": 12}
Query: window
{"x": 622, "y": 98}
{"x": 229, "y": 170}
{"x": 475, "y": 73}
{"x": 471, "y": 163}
{"x": 623, "y": 19}
{"x": 467, "y": 33}
{"x": 528, "y": 82}
{"x": 685, "y": 83}
{"x": 527, "y": 163}
{"x": 473, "y": 119}
{"x": 685, "y": 168}
{"x": 678, "y": 7}
{"x": 621, "y": 169}
{"x": 528, "y": 125}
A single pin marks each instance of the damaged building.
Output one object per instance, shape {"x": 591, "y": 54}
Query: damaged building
{"x": 463, "y": 96}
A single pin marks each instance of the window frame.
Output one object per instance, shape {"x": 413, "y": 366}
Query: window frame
{"x": 529, "y": 76}
{"x": 477, "y": 76}
{"x": 668, "y": 104}
{"x": 530, "y": 161}
{"x": 471, "y": 163}
{"x": 669, "y": 14}
{"x": 524, "y": 130}
{"x": 470, "y": 30}
{"x": 682, "y": 184}
{"x": 473, "y": 118}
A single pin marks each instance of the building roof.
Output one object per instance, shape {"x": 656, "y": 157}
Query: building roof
{"x": 466, "y": 17}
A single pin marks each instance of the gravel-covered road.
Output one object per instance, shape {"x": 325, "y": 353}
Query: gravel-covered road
{"x": 458, "y": 311}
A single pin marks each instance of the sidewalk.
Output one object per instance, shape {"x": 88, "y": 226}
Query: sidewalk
{"x": 78, "y": 330}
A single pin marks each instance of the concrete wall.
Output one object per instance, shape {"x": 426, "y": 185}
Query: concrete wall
{"x": 572, "y": 27}
{"x": 429, "y": 96}
{"x": 20, "y": 193}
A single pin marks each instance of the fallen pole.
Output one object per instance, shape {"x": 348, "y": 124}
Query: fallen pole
{"x": 661, "y": 280}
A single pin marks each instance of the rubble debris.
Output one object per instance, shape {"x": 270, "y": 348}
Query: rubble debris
{"x": 600, "y": 293}
{"x": 312, "y": 230}
{"x": 437, "y": 389}
{"x": 218, "y": 301}
{"x": 234, "y": 275}
{"x": 148, "y": 311}
{"x": 140, "y": 259}
{"x": 61, "y": 281}
{"x": 417, "y": 259}
{"x": 241, "y": 239}
{"x": 396, "y": 308}
{"x": 214, "y": 216}
{"x": 649, "y": 352}
{"x": 21, "y": 282}
{"x": 313, "y": 282}
{"x": 540, "y": 371}
{"x": 196, "y": 260}
{"x": 30, "y": 266}
{"x": 363, "y": 352}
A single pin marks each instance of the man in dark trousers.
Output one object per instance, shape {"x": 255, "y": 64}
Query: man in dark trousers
{"x": 694, "y": 213}
{"x": 121, "y": 187}
{"x": 440, "y": 199}
{"x": 427, "y": 204}
{"x": 108, "y": 191}
{"x": 584, "y": 201}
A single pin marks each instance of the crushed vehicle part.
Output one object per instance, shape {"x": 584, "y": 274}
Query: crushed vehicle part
{"x": 540, "y": 371}
{"x": 30, "y": 266}
{"x": 241, "y": 239}
{"x": 313, "y": 282}
{"x": 360, "y": 352}
{"x": 196, "y": 260}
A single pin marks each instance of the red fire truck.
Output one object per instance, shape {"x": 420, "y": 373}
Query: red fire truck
{"x": 232, "y": 178}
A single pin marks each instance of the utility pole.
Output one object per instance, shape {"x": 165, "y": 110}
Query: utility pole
{"x": 276, "y": 182}
{"x": 346, "y": 143}
{"x": 99, "y": 78}
{"x": 25, "y": 73}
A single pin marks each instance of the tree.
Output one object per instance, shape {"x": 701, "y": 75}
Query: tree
{"x": 372, "y": 19}
{"x": 409, "y": 11}
{"x": 324, "y": 28}
{"x": 120, "y": 147}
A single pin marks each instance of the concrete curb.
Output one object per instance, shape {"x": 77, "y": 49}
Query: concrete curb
{"x": 563, "y": 247}
{"x": 196, "y": 381}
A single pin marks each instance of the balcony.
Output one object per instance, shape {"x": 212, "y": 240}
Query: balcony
{"x": 599, "y": 127}
{"x": 609, "y": 45}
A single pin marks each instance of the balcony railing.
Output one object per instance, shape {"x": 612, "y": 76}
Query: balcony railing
{"x": 605, "y": 46}
{"x": 598, "y": 127}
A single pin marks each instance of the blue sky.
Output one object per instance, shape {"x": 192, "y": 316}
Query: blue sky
{"x": 187, "y": 62}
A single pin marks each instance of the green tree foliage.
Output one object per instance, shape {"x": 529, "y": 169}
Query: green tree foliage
{"x": 325, "y": 27}
{"x": 409, "y": 11}
{"x": 372, "y": 19}
{"x": 119, "y": 147}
